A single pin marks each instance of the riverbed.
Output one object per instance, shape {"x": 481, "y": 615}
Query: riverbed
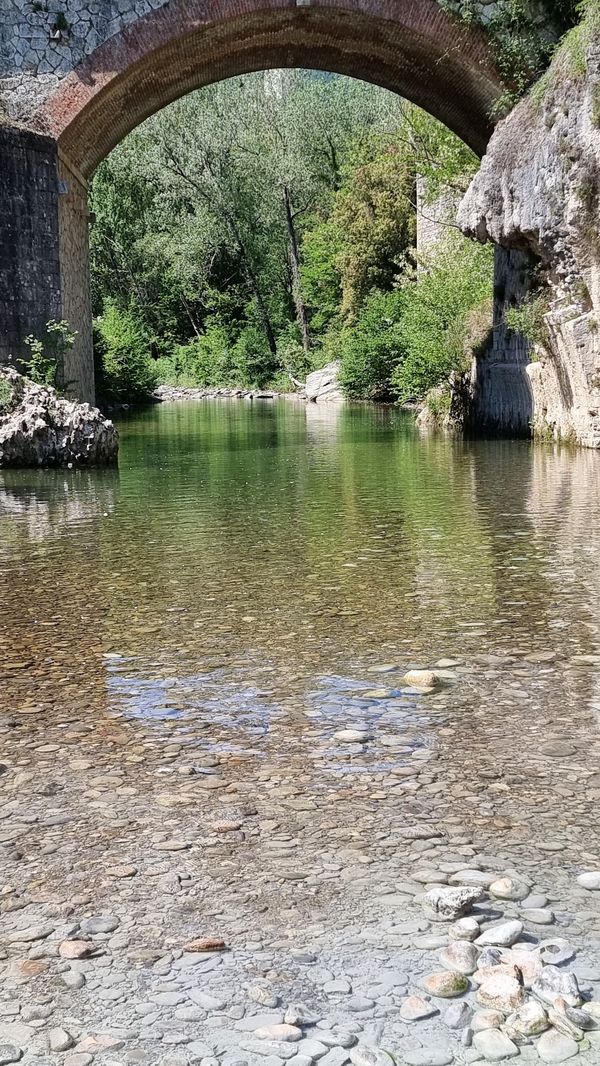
{"x": 205, "y": 733}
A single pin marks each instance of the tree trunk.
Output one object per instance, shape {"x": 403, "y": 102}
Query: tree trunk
{"x": 294, "y": 256}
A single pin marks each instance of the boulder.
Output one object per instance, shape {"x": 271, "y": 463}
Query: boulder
{"x": 322, "y": 385}
{"x": 38, "y": 427}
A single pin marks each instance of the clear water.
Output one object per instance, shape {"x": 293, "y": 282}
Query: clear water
{"x": 230, "y": 596}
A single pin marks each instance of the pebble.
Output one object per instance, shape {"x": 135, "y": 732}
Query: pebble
{"x": 445, "y": 984}
{"x": 509, "y": 888}
{"x": 459, "y": 955}
{"x": 556, "y": 1047}
{"x": 427, "y": 1057}
{"x": 457, "y": 1015}
{"x": 553, "y": 983}
{"x": 59, "y": 1040}
{"x": 353, "y": 736}
{"x": 494, "y": 1045}
{"x": 100, "y": 924}
{"x": 465, "y": 929}
{"x": 282, "y": 1032}
{"x": 590, "y": 881}
{"x": 370, "y": 1056}
{"x": 415, "y": 1008}
{"x": 486, "y": 1019}
{"x": 9, "y": 1053}
{"x": 503, "y": 935}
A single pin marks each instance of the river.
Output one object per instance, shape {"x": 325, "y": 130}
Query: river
{"x": 186, "y": 642}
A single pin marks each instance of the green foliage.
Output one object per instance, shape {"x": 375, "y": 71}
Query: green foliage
{"x": 528, "y": 319}
{"x": 371, "y": 349}
{"x": 126, "y": 370}
{"x": 436, "y": 323}
{"x": 6, "y": 395}
{"x": 266, "y": 225}
{"x": 45, "y": 366}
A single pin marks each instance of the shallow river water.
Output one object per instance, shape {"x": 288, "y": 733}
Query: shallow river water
{"x": 183, "y": 642}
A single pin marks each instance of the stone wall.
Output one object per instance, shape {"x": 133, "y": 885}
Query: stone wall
{"x": 30, "y": 286}
{"x": 42, "y": 42}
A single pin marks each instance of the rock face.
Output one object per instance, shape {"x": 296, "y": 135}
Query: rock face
{"x": 538, "y": 192}
{"x": 322, "y": 385}
{"x": 40, "y": 428}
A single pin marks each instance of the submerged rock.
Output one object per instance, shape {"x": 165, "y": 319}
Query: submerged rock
{"x": 40, "y": 428}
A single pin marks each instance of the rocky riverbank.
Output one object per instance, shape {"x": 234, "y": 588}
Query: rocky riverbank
{"x": 298, "y": 904}
{"x": 38, "y": 427}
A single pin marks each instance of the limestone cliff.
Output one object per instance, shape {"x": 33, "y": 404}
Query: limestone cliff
{"x": 538, "y": 190}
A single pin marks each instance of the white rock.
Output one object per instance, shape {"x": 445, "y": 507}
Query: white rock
{"x": 501, "y": 990}
{"x": 556, "y": 1047}
{"x": 464, "y": 929}
{"x": 284, "y": 1033}
{"x": 553, "y": 983}
{"x": 419, "y": 678}
{"x": 530, "y": 1019}
{"x": 446, "y": 904}
{"x": 590, "y": 880}
{"x": 503, "y": 935}
{"x": 459, "y": 955}
{"x": 494, "y": 1045}
{"x": 353, "y": 736}
{"x": 509, "y": 888}
{"x": 370, "y": 1056}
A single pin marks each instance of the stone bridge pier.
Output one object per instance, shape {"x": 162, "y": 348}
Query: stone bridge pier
{"x": 76, "y": 76}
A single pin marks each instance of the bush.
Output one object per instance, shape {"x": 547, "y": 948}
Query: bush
{"x": 46, "y": 364}
{"x": 6, "y": 395}
{"x": 204, "y": 363}
{"x": 370, "y": 350}
{"x": 126, "y": 371}
{"x": 529, "y": 319}
{"x": 435, "y": 329}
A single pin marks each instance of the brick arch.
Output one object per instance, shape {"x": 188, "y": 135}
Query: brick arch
{"x": 409, "y": 46}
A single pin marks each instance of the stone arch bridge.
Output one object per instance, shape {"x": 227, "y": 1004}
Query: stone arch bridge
{"x": 77, "y": 75}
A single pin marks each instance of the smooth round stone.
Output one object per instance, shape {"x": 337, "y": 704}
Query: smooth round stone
{"x": 457, "y": 1015}
{"x": 494, "y": 1045}
{"x": 461, "y": 956}
{"x": 427, "y": 1057}
{"x": 430, "y": 942}
{"x": 419, "y": 678}
{"x": 590, "y": 881}
{"x": 486, "y": 1019}
{"x": 472, "y": 878}
{"x": 555, "y": 951}
{"x": 283, "y": 1032}
{"x": 556, "y": 1047}
{"x": 9, "y": 1053}
{"x": 445, "y": 984}
{"x": 353, "y": 736}
{"x": 369, "y": 1056}
{"x": 100, "y": 924}
{"x": 503, "y": 935}
{"x": 429, "y": 877}
{"x": 415, "y": 1008}
{"x": 464, "y": 929}
{"x": 536, "y": 901}
{"x": 509, "y": 888}
{"x": 541, "y": 916}
{"x": 557, "y": 749}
